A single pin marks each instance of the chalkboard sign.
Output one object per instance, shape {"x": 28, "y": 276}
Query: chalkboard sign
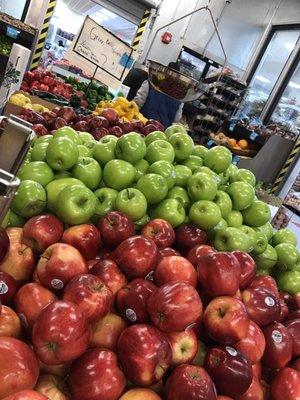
{"x": 103, "y": 49}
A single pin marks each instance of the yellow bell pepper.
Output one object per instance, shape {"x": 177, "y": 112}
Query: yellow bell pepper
{"x": 119, "y": 111}
{"x": 122, "y": 101}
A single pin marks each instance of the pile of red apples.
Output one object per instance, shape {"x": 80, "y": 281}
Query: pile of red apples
{"x": 106, "y": 312}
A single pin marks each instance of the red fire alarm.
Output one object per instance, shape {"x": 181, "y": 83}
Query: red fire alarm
{"x": 166, "y": 38}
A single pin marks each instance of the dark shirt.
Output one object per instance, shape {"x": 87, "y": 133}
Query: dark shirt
{"x": 134, "y": 79}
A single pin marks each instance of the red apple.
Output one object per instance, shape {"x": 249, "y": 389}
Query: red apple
{"x": 99, "y": 132}
{"x": 126, "y": 126}
{"x": 91, "y": 295}
{"x": 284, "y": 311}
{"x": 106, "y": 331}
{"x": 19, "y": 368}
{"x": 67, "y": 113}
{"x": 26, "y": 395}
{"x": 98, "y": 122}
{"x": 279, "y": 346}
{"x": 253, "y": 344}
{"x": 293, "y": 327}
{"x": 144, "y": 353}
{"x": 10, "y": 323}
{"x": 109, "y": 272}
{"x": 115, "y": 227}
{"x": 4, "y": 243}
{"x": 60, "y": 370}
{"x": 189, "y": 236}
{"x": 184, "y": 346}
{"x": 248, "y": 268}
{"x": 137, "y": 125}
{"x": 111, "y": 115}
{"x": 59, "y": 263}
{"x": 40, "y": 129}
{"x": 262, "y": 306}
{"x": 160, "y": 231}
{"x": 85, "y": 237}
{"x": 196, "y": 253}
{"x": 293, "y": 315}
{"x": 8, "y": 288}
{"x": 42, "y": 231}
{"x": 288, "y": 299}
{"x": 296, "y": 298}
{"x": 255, "y": 391}
{"x": 226, "y": 320}
{"x": 131, "y": 300}
{"x": 48, "y": 115}
{"x": 60, "y": 333}
{"x": 148, "y": 129}
{"x": 82, "y": 126}
{"x": 174, "y": 306}
{"x": 116, "y": 131}
{"x": 296, "y": 364}
{"x": 175, "y": 268}
{"x": 265, "y": 282}
{"x": 140, "y": 393}
{"x": 190, "y": 382}
{"x": 166, "y": 252}
{"x": 53, "y": 387}
{"x": 96, "y": 375}
{"x": 57, "y": 123}
{"x": 256, "y": 369}
{"x": 159, "y": 126}
{"x": 219, "y": 273}
{"x": 229, "y": 369}
{"x": 137, "y": 256}
{"x": 286, "y": 385}
{"x": 15, "y": 234}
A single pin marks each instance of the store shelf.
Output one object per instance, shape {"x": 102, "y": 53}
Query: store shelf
{"x": 240, "y": 132}
{"x": 22, "y": 37}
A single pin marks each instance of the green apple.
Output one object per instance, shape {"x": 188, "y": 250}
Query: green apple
{"x": 62, "y": 174}
{"x": 242, "y": 195}
{"x": 155, "y": 135}
{"x": 205, "y": 214}
{"x": 38, "y": 171}
{"x": 42, "y": 139}
{"x": 266, "y": 229}
{"x": 218, "y": 159}
{"x": 67, "y": 131}
{"x": 284, "y": 235}
{"x": 84, "y": 151}
{"x": 55, "y": 187}
{"x": 75, "y": 204}
{"x": 287, "y": 255}
{"x": 193, "y": 162}
{"x": 180, "y": 194}
{"x": 91, "y": 143}
{"x": 230, "y": 239}
{"x": 244, "y": 175}
{"x": 131, "y": 201}
{"x": 88, "y": 171}
{"x": 30, "y": 199}
{"x": 14, "y": 220}
{"x": 130, "y": 147}
{"x": 260, "y": 243}
{"x": 209, "y": 172}
{"x": 104, "y": 150}
{"x": 199, "y": 150}
{"x": 202, "y": 186}
{"x": 141, "y": 167}
{"x": 267, "y": 259}
{"x": 118, "y": 174}
{"x": 223, "y": 201}
{"x": 171, "y": 210}
{"x": 211, "y": 233}
{"x": 175, "y": 128}
{"x": 183, "y": 145}
{"x": 289, "y": 282}
{"x": 160, "y": 150}
{"x": 252, "y": 235}
{"x": 38, "y": 152}
{"x": 234, "y": 218}
{"x": 138, "y": 225}
{"x": 153, "y": 186}
{"x": 85, "y": 137}
{"x": 62, "y": 153}
{"x": 165, "y": 169}
{"x": 257, "y": 214}
{"x": 183, "y": 174}
{"x": 105, "y": 201}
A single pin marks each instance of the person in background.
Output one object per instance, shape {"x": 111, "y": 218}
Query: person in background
{"x": 134, "y": 79}
{"x": 157, "y": 105}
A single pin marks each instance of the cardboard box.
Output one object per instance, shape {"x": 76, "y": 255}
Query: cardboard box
{"x": 10, "y": 108}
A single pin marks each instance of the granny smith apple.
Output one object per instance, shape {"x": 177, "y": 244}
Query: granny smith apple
{"x": 62, "y": 153}
{"x": 105, "y": 201}
{"x": 223, "y": 201}
{"x": 199, "y": 150}
{"x": 42, "y": 139}
{"x": 160, "y": 150}
{"x": 171, "y": 210}
{"x": 91, "y": 144}
{"x": 234, "y": 218}
{"x": 202, "y": 186}
{"x": 131, "y": 201}
{"x": 180, "y": 194}
{"x": 260, "y": 243}
{"x": 85, "y": 137}
{"x": 118, "y": 174}
{"x": 287, "y": 255}
{"x": 153, "y": 186}
{"x": 230, "y": 239}
{"x": 155, "y": 135}
{"x": 284, "y": 235}
{"x": 15, "y": 219}
{"x": 55, "y": 187}
{"x": 218, "y": 158}
{"x": 62, "y": 174}
{"x": 30, "y": 199}
{"x": 130, "y": 147}
{"x": 193, "y": 162}
{"x": 165, "y": 169}
{"x": 289, "y": 282}
{"x": 175, "y": 128}
{"x": 75, "y": 204}
{"x": 242, "y": 195}
{"x": 211, "y": 233}
{"x": 183, "y": 145}
{"x": 230, "y": 172}
{"x": 104, "y": 149}
{"x": 183, "y": 174}
{"x": 141, "y": 167}
{"x": 267, "y": 259}
{"x": 138, "y": 225}
{"x": 244, "y": 175}
{"x": 67, "y": 131}
{"x": 89, "y": 171}
{"x": 38, "y": 171}
{"x": 38, "y": 152}
{"x": 252, "y": 235}
{"x": 83, "y": 151}
{"x": 209, "y": 172}
{"x": 205, "y": 214}
{"x": 257, "y": 214}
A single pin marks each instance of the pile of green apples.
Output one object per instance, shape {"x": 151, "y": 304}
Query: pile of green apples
{"x": 161, "y": 175}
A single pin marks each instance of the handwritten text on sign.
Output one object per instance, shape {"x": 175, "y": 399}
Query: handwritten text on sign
{"x": 102, "y": 48}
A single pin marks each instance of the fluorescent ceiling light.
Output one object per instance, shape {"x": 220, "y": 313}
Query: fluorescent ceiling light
{"x": 262, "y": 79}
{"x": 294, "y": 85}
